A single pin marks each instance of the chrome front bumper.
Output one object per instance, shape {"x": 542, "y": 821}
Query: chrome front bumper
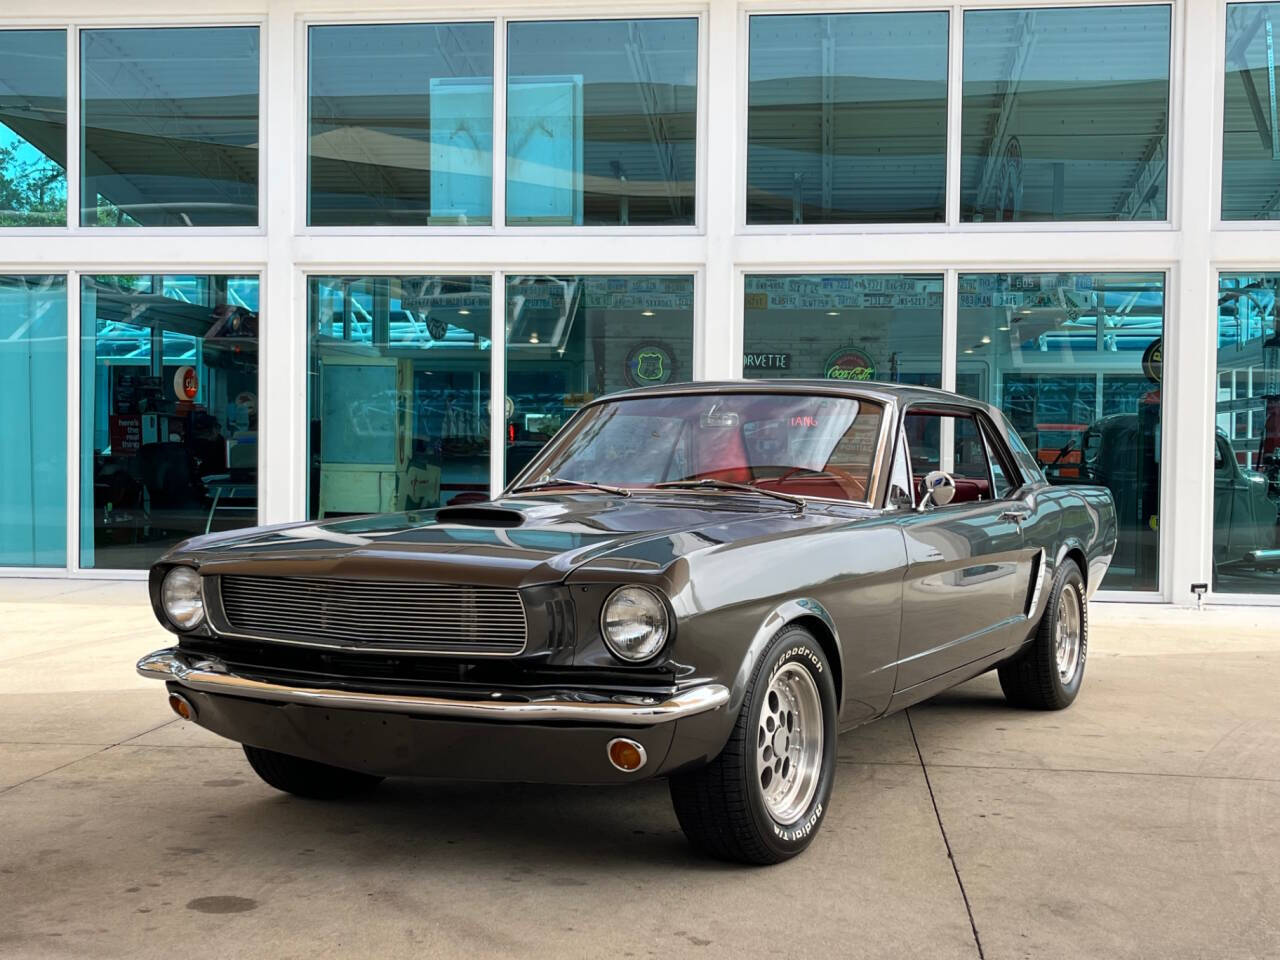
{"x": 210, "y": 675}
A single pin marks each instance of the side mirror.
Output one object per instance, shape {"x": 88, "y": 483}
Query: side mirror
{"x": 939, "y": 490}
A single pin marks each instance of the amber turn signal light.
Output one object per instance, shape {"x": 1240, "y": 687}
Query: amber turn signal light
{"x": 182, "y": 707}
{"x": 627, "y": 755}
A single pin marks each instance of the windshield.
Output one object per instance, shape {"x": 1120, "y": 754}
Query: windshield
{"x": 810, "y": 446}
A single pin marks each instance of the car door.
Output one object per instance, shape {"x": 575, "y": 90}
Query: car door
{"x": 965, "y": 587}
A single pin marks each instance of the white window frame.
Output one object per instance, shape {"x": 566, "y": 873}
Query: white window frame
{"x": 74, "y": 27}
{"x": 501, "y": 18}
{"x": 955, "y": 89}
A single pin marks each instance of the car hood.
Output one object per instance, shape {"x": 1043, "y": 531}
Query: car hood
{"x": 514, "y": 541}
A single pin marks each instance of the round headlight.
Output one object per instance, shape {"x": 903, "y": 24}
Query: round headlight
{"x": 182, "y": 599}
{"x": 634, "y": 621}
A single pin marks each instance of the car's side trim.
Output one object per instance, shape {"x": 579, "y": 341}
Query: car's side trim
{"x": 210, "y": 675}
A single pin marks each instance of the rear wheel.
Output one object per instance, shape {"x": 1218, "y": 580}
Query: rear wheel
{"x": 763, "y": 799}
{"x": 1047, "y": 675}
{"x": 307, "y": 778}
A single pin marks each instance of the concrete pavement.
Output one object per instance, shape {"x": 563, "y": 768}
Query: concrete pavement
{"x": 1143, "y": 822}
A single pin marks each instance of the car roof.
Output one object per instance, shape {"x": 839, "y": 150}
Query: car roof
{"x": 900, "y": 394}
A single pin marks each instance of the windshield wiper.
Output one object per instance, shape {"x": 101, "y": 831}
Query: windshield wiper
{"x": 713, "y": 484}
{"x": 562, "y": 482}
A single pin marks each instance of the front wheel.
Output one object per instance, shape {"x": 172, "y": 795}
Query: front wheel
{"x": 1048, "y": 673}
{"x": 763, "y": 799}
{"x": 307, "y": 778}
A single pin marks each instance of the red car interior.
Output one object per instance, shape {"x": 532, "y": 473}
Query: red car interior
{"x": 968, "y": 490}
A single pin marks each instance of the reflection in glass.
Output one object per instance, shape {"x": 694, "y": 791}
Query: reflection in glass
{"x": 1074, "y": 360}
{"x": 884, "y": 326}
{"x": 33, "y": 396}
{"x": 169, "y": 413}
{"x": 401, "y": 124}
{"x": 1250, "y": 129}
{"x": 169, "y": 127}
{"x": 33, "y": 128}
{"x": 796, "y": 445}
{"x": 571, "y": 339}
{"x": 601, "y": 122}
{"x": 1049, "y": 133}
{"x": 1246, "y": 460}
{"x": 398, "y": 392}
{"x": 847, "y": 118}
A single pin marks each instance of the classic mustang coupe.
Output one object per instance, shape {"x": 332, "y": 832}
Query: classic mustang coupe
{"x": 706, "y": 583}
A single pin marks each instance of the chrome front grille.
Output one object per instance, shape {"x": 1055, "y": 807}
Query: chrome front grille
{"x": 392, "y": 616}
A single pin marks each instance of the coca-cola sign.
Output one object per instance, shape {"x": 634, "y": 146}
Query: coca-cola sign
{"x": 850, "y": 363}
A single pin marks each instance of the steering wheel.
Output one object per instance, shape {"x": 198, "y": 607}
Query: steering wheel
{"x": 847, "y": 480}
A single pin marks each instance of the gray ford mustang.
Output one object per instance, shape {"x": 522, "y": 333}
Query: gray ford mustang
{"x": 706, "y": 583}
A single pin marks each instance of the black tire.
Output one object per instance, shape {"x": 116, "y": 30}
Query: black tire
{"x": 1033, "y": 679}
{"x": 307, "y": 778}
{"x": 721, "y": 807}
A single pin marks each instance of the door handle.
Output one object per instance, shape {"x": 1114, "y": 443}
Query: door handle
{"x": 1017, "y": 516}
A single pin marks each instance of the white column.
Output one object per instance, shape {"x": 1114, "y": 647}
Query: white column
{"x": 1190, "y": 355}
{"x": 282, "y": 396}
{"x": 720, "y": 335}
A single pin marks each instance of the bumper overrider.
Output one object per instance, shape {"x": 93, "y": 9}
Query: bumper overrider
{"x": 548, "y": 736}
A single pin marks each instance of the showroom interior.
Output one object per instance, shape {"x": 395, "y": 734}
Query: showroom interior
{"x": 267, "y": 263}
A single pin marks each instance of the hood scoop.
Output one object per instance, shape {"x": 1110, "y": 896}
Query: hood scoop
{"x": 480, "y": 516}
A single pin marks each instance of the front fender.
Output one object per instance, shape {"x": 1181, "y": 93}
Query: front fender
{"x": 699, "y": 739}
{"x": 789, "y": 611}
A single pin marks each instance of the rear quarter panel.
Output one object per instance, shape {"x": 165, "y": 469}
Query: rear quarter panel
{"x": 1075, "y": 518}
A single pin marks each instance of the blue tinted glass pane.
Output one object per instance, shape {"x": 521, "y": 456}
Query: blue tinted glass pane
{"x": 168, "y": 413}
{"x": 1246, "y": 459}
{"x": 33, "y": 396}
{"x": 401, "y": 124}
{"x": 1065, "y": 114}
{"x": 847, "y": 118}
{"x": 398, "y": 392}
{"x": 1074, "y": 360}
{"x": 1250, "y": 125}
{"x": 601, "y": 122}
{"x": 33, "y": 128}
{"x": 573, "y": 338}
{"x": 169, "y": 127}
{"x": 844, "y": 327}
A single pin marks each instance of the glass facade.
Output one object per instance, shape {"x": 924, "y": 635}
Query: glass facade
{"x": 33, "y": 128}
{"x": 1246, "y": 460}
{"x": 602, "y": 122}
{"x": 844, "y": 326}
{"x": 1049, "y": 134}
{"x": 398, "y": 392}
{"x": 168, "y": 413}
{"x": 1250, "y": 131}
{"x": 169, "y": 127}
{"x": 1075, "y": 360}
{"x": 33, "y": 395}
{"x": 847, "y": 118}
{"x": 571, "y": 339}
{"x": 848, "y": 152}
{"x": 409, "y": 143}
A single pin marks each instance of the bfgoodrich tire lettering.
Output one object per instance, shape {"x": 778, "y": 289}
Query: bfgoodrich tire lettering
{"x": 1048, "y": 673}
{"x": 764, "y": 798}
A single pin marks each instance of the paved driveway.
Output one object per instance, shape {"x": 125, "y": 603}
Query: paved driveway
{"x": 1143, "y": 822}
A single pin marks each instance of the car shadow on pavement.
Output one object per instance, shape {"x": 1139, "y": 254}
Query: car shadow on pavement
{"x": 446, "y": 822}
{"x": 450, "y": 823}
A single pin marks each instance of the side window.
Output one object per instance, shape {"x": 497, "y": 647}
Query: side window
{"x": 1004, "y": 475}
{"x": 901, "y": 495}
{"x": 971, "y": 452}
{"x": 971, "y": 467}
